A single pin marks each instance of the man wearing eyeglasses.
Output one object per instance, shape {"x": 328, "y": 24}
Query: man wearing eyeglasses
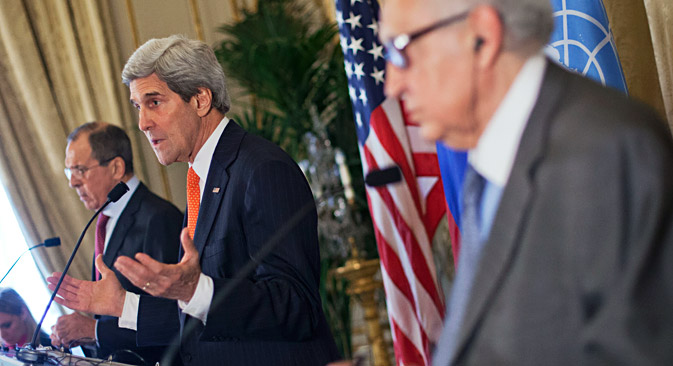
{"x": 567, "y": 217}
{"x": 99, "y": 156}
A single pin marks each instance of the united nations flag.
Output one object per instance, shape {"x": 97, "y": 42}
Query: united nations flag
{"x": 582, "y": 41}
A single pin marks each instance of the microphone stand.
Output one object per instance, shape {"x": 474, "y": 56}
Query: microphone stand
{"x": 28, "y": 353}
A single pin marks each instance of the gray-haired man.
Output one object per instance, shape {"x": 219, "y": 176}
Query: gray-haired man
{"x": 568, "y": 203}
{"x": 244, "y": 193}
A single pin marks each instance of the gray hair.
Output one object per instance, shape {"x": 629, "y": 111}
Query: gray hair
{"x": 183, "y": 64}
{"x": 107, "y": 141}
{"x": 527, "y": 22}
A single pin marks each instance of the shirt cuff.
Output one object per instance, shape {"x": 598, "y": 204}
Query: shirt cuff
{"x": 129, "y": 318}
{"x": 199, "y": 305}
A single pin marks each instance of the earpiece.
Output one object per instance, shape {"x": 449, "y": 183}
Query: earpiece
{"x": 478, "y": 43}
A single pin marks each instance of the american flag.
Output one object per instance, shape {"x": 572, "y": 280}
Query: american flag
{"x": 405, "y": 215}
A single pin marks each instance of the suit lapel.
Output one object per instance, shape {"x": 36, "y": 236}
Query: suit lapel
{"x": 505, "y": 233}
{"x": 216, "y": 184}
{"x": 123, "y": 225}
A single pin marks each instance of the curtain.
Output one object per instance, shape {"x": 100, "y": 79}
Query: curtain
{"x": 58, "y": 69}
{"x": 644, "y": 45}
{"x": 659, "y": 15}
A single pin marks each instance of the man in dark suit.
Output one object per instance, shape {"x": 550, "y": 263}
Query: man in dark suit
{"x": 247, "y": 284}
{"x": 568, "y": 198}
{"x": 99, "y": 156}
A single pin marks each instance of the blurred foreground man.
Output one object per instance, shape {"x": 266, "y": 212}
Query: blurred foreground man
{"x": 567, "y": 219}
{"x": 99, "y": 156}
{"x": 248, "y": 205}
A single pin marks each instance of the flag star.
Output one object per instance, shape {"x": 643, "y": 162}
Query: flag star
{"x": 354, "y": 21}
{"x": 352, "y": 93}
{"x": 374, "y": 26}
{"x": 349, "y": 69}
{"x": 363, "y": 96}
{"x": 340, "y": 18}
{"x": 344, "y": 44}
{"x": 356, "y": 45}
{"x": 377, "y": 75}
{"x": 358, "y": 70}
{"x": 358, "y": 119}
{"x": 376, "y": 51}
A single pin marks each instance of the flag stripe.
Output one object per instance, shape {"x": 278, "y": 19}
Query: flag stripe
{"x": 400, "y": 230}
{"x": 400, "y": 304}
{"x": 398, "y": 265}
{"x": 401, "y": 194}
{"x": 406, "y": 348}
{"x": 393, "y": 147}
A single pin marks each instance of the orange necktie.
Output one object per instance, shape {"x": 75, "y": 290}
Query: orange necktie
{"x": 193, "y": 200}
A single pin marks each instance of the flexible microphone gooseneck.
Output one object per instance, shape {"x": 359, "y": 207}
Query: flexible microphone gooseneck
{"x": 51, "y": 242}
{"x": 114, "y": 195}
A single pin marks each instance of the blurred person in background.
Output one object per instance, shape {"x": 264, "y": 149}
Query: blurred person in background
{"x": 17, "y": 324}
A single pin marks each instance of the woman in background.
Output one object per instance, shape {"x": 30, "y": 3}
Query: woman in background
{"x": 16, "y": 322}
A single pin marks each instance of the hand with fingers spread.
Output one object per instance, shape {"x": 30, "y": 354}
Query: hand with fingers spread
{"x": 172, "y": 281}
{"x": 73, "y": 327}
{"x": 103, "y": 297}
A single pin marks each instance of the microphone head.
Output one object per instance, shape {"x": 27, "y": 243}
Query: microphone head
{"x": 52, "y": 242}
{"x": 117, "y": 192}
{"x": 382, "y": 177}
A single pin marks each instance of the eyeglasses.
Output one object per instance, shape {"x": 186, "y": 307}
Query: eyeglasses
{"x": 395, "y": 48}
{"x": 78, "y": 172}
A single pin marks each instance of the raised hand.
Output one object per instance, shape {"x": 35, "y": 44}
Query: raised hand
{"x": 172, "y": 281}
{"x": 103, "y": 297}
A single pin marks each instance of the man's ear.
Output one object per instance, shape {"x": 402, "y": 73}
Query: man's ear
{"x": 488, "y": 30}
{"x": 202, "y": 101}
{"x": 118, "y": 168}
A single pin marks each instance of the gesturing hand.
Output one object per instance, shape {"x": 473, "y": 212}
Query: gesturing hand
{"x": 172, "y": 281}
{"x": 103, "y": 297}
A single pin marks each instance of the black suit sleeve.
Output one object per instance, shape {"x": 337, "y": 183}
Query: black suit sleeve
{"x": 280, "y": 299}
{"x": 156, "y": 233}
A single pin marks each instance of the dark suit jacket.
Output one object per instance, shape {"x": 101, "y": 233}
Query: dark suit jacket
{"x": 578, "y": 267}
{"x": 151, "y": 225}
{"x": 255, "y": 194}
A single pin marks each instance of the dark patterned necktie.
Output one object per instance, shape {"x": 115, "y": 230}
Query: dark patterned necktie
{"x": 100, "y": 239}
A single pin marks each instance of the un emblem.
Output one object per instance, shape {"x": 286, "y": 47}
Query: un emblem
{"x": 582, "y": 41}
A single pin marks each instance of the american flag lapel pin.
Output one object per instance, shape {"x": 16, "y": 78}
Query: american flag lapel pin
{"x": 216, "y": 190}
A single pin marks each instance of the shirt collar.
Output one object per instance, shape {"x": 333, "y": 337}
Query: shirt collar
{"x": 115, "y": 209}
{"x": 201, "y": 164}
{"x": 496, "y": 149}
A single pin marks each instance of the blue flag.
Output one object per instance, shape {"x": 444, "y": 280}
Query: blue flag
{"x": 452, "y": 166}
{"x": 582, "y": 41}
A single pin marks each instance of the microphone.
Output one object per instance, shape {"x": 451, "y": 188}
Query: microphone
{"x": 51, "y": 242}
{"x": 385, "y": 176}
{"x": 114, "y": 195}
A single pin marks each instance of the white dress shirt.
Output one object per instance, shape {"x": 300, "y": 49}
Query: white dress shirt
{"x": 200, "y": 303}
{"x": 496, "y": 149}
{"x": 114, "y": 210}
